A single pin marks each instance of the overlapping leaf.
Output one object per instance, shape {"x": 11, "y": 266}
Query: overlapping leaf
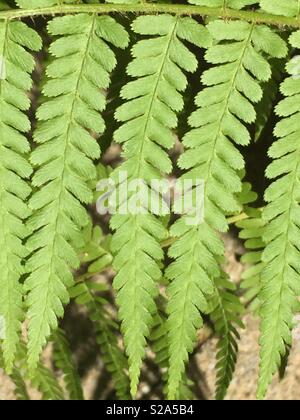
{"x": 150, "y": 114}
{"x": 281, "y": 276}
{"x": 63, "y": 158}
{"x": 225, "y": 107}
{"x": 16, "y": 66}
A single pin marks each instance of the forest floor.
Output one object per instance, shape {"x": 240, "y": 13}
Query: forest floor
{"x": 97, "y": 384}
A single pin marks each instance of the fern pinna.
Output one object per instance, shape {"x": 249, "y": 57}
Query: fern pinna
{"x": 16, "y": 66}
{"x": 280, "y": 278}
{"x": 212, "y": 156}
{"x": 193, "y": 96}
{"x": 64, "y": 161}
{"x": 150, "y": 115}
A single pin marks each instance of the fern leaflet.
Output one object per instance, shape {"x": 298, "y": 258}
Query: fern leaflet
{"x": 81, "y": 66}
{"x": 18, "y": 381}
{"x": 279, "y": 7}
{"x": 226, "y": 317}
{"x": 149, "y": 117}
{"x": 63, "y": 360}
{"x": 16, "y": 65}
{"x": 211, "y": 156}
{"x": 116, "y": 363}
{"x": 280, "y": 278}
{"x": 252, "y": 231}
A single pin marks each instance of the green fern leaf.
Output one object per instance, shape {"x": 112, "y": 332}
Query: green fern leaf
{"x": 20, "y": 386}
{"x": 279, "y": 7}
{"x": 226, "y": 318}
{"x": 106, "y": 329}
{"x": 64, "y": 361}
{"x": 94, "y": 253}
{"x": 252, "y": 231}
{"x": 63, "y": 157}
{"x": 265, "y": 107}
{"x": 18, "y": 381}
{"x": 155, "y": 97}
{"x": 16, "y": 65}
{"x": 280, "y": 278}
{"x": 160, "y": 347}
{"x": 43, "y": 379}
{"x": 211, "y": 156}
{"x": 47, "y": 384}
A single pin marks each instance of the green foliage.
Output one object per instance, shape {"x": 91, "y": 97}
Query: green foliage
{"x": 167, "y": 269}
{"x": 106, "y": 330}
{"x": 280, "y": 278}
{"x": 43, "y": 380}
{"x": 279, "y": 7}
{"x": 265, "y": 107}
{"x": 225, "y": 315}
{"x": 18, "y": 381}
{"x": 154, "y": 99}
{"x": 251, "y": 232}
{"x": 210, "y": 155}
{"x": 63, "y": 160}
{"x": 16, "y": 66}
{"x": 64, "y": 361}
{"x": 46, "y": 383}
{"x": 159, "y": 346}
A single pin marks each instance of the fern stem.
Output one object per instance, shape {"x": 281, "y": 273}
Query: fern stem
{"x": 177, "y": 9}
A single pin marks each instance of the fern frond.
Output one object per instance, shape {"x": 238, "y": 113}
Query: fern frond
{"x": 160, "y": 347}
{"x": 42, "y": 379}
{"x": 97, "y": 256}
{"x": 65, "y": 149}
{"x": 106, "y": 329}
{"x": 281, "y": 276}
{"x": 265, "y": 107}
{"x": 154, "y": 98}
{"x": 95, "y": 252}
{"x": 224, "y": 107}
{"x": 159, "y": 341}
{"x": 64, "y": 361}
{"x": 16, "y": 66}
{"x": 18, "y": 381}
{"x": 20, "y": 386}
{"x": 251, "y": 232}
{"x": 226, "y": 318}
{"x": 47, "y": 384}
{"x": 245, "y": 197}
